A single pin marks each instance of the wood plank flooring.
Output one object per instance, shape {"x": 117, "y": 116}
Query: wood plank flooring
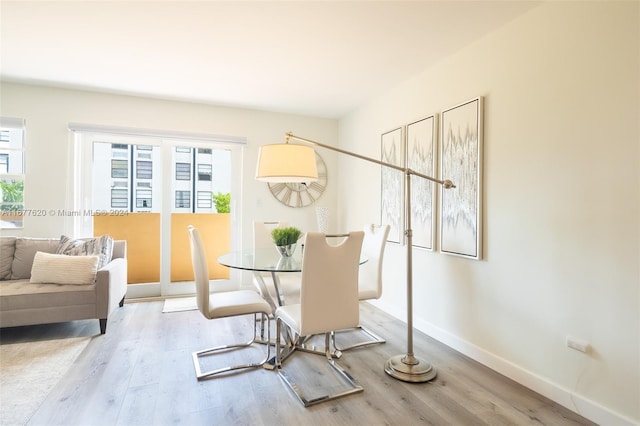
{"x": 141, "y": 373}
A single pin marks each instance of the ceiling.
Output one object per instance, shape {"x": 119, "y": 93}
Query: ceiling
{"x": 318, "y": 58}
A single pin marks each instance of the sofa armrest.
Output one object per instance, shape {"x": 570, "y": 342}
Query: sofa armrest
{"x": 119, "y": 249}
{"x": 111, "y": 286}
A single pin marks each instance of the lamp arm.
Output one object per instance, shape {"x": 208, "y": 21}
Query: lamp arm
{"x": 446, "y": 183}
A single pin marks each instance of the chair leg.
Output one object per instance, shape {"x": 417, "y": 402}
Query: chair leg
{"x": 304, "y": 346}
{"x": 355, "y": 387}
{"x": 375, "y": 339}
{"x": 208, "y": 374}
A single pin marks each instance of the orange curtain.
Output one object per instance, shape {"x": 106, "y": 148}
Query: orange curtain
{"x": 142, "y": 232}
{"x": 215, "y": 230}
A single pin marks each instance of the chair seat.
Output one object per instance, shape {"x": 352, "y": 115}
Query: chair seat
{"x": 367, "y": 293}
{"x": 290, "y": 314}
{"x": 239, "y": 302}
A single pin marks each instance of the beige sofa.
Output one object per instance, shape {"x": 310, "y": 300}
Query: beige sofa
{"x": 25, "y": 303}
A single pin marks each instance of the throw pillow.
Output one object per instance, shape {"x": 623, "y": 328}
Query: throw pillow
{"x": 63, "y": 269}
{"x": 101, "y": 246}
{"x": 26, "y": 249}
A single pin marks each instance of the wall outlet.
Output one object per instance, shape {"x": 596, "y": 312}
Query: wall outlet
{"x": 578, "y": 344}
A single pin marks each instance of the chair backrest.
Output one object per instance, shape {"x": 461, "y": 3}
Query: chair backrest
{"x": 200, "y": 271}
{"x": 370, "y": 281}
{"x": 262, "y": 233}
{"x": 329, "y": 285}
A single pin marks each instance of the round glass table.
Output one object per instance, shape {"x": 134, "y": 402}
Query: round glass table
{"x": 263, "y": 260}
{"x": 266, "y": 260}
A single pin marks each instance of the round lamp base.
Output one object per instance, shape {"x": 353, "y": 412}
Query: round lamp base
{"x": 410, "y": 369}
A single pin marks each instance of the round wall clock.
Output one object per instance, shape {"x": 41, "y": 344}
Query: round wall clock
{"x": 301, "y": 194}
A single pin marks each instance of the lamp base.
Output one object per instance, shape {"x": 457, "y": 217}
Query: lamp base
{"x": 408, "y": 368}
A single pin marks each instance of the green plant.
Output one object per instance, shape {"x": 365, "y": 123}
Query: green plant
{"x": 285, "y": 236}
{"x": 12, "y": 194}
{"x": 222, "y": 202}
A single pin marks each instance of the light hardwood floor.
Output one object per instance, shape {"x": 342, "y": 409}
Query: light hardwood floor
{"x": 141, "y": 373}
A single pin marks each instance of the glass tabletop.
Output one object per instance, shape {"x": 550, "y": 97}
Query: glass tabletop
{"x": 263, "y": 260}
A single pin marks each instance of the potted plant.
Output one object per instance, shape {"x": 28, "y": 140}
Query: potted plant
{"x": 285, "y": 239}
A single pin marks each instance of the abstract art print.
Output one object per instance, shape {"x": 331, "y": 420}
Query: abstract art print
{"x": 421, "y": 157}
{"x": 461, "y": 162}
{"x": 392, "y": 184}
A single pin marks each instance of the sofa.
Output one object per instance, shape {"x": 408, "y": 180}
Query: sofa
{"x": 25, "y": 302}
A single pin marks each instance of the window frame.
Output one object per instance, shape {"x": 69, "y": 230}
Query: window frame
{"x": 18, "y": 174}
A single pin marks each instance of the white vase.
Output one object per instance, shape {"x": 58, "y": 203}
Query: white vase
{"x": 322, "y": 216}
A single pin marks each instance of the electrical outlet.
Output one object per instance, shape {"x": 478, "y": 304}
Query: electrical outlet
{"x": 578, "y": 344}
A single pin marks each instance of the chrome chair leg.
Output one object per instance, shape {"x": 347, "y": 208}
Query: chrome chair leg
{"x": 375, "y": 339}
{"x": 354, "y": 386}
{"x": 212, "y": 351}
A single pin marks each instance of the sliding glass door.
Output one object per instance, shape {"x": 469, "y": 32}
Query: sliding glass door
{"x": 147, "y": 191}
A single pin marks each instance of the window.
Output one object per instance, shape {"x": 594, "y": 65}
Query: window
{"x": 183, "y": 149}
{"x": 11, "y": 171}
{"x": 183, "y": 199}
{"x": 119, "y": 168}
{"x": 144, "y": 169}
{"x": 119, "y": 150}
{"x": 4, "y": 163}
{"x": 143, "y": 198}
{"x": 183, "y": 171}
{"x": 204, "y": 172}
{"x": 120, "y": 198}
{"x": 148, "y": 151}
{"x": 204, "y": 151}
{"x": 204, "y": 200}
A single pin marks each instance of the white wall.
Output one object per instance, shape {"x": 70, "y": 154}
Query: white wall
{"x": 561, "y": 204}
{"x": 48, "y": 112}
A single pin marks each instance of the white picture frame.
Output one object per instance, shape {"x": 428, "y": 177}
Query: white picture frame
{"x": 461, "y": 144}
{"x": 422, "y": 153}
{"x": 392, "y": 184}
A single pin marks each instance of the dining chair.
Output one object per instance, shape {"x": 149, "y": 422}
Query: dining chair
{"x": 221, "y": 305}
{"x": 328, "y": 301}
{"x": 289, "y": 283}
{"x": 370, "y": 278}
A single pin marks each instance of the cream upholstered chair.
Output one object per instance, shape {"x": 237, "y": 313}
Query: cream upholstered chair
{"x": 370, "y": 278}
{"x": 328, "y": 301}
{"x": 220, "y": 305}
{"x": 288, "y": 283}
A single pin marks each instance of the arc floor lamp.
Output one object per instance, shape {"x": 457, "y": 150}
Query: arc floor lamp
{"x": 296, "y": 163}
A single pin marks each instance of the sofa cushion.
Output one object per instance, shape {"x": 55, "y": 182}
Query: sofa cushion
{"x": 100, "y": 246}
{"x": 21, "y": 294}
{"x": 26, "y": 249}
{"x": 63, "y": 269}
{"x": 7, "y": 248}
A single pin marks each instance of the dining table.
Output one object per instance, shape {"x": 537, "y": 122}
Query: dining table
{"x": 269, "y": 260}
{"x": 264, "y": 260}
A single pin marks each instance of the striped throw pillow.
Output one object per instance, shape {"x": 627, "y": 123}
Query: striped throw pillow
{"x": 63, "y": 269}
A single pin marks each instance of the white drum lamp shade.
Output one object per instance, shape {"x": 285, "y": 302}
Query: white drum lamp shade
{"x": 286, "y": 163}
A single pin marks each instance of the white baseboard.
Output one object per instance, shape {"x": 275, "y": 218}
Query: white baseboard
{"x": 565, "y": 397}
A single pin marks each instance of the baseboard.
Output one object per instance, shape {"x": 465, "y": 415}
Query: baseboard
{"x": 565, "y": 397}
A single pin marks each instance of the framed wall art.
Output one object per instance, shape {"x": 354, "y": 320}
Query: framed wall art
{"x": 461, "y": 162}
{"x": 421, "y": 157}
{"x": 392, "y": 184}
